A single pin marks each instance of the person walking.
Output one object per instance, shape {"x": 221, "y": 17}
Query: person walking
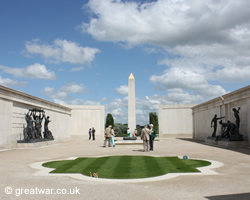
{"x": 89, "y": 133}
{"x": 93, "y": 133}
{"x": 112, "y": 137}
{"x": 107, "y": 135}
{"x": 145, "y": 134}
{"x": 152, "y": 137}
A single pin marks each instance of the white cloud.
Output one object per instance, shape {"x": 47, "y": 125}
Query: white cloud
{"x": 74, "y": 88}
{"x": 117, "y": 112}
{"x": 167, "y": 22}
{"x": 9, "y": 82}
{"x": 231, "y": 74}
{"x": 35, "y": 71}
{"x": 59, "y": 101}
{"x": 84, "y": 102}
{"x": 77, "y": 69}
{"x": 123, "y": 90}
{"x": 180, "y": 78}
{"x": 104, "y": 99}
{"x": 63, "y": 51}
{"x": 62, "y": 95}
{"x": 204, "y": 41}
{"x": 119, "y": 109}
{"x": 39, "y": 71}
{"x": 196, "y": 81}
{"x": 179, "y": 96}
{"x": 48, "y": 90}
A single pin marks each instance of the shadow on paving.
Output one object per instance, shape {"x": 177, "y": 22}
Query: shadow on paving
{"x": 244, "y": 150}
{"x": 244, "y": 196}
{"x": 139, "y": 150}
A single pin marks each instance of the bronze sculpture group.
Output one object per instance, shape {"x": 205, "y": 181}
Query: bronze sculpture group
{"x": 229, "y": 130}
{"x": 33, "y": 130}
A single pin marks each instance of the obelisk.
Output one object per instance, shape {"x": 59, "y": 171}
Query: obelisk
{"x": 131, "y": 104}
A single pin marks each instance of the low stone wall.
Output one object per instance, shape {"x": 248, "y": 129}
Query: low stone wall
{"x": 176, "y": 120}
{"x": 222, "y": 106}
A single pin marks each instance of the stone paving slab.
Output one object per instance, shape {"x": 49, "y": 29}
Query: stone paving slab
{"x": 231, "y": 181}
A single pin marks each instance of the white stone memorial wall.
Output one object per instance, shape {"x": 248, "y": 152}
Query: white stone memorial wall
{"x": 175, "y": 120}
{"x": 222, "y": 106}
{"x": 85, "y": 117}
{"x": 65, "y": 120}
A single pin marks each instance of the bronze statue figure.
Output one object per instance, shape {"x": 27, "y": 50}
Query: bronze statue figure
{"x": 47, "y": 133}
{"x": 230, "y": 130}
{"x": 29, "y": 127}
{"x": 236, "y": 115}
{"x": 214, "y": 122}
{"x": 33, "y": 130}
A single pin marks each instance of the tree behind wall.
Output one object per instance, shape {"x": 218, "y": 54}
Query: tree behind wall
{"x": 153, "y": 119}
{"x": 121, "y": 130}
{"x": 109, "y": 120}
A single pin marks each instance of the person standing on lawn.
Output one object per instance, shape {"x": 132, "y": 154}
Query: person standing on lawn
{"x": 152, "y": 137}
{"x": 145, "y": 135}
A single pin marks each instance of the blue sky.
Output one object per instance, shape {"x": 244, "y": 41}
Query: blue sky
{"x": 82, "y": 52}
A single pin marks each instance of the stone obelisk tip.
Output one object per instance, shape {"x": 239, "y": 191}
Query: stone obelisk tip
{"x": 131, "y": 76}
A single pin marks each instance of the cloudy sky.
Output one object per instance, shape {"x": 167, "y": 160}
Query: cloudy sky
{"x": 82, "y": 52}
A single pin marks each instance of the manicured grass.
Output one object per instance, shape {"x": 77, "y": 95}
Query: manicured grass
{"x": 126, "y": 167}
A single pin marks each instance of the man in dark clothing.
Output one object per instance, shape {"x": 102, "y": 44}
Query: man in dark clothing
{"x": 93, "y": 133}
{"x": 90, "y": 133}
{"x": 214, "y": 121}
{"x": 152, "y": 137}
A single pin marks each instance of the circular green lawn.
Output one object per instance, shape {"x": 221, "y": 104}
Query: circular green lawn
{"x": 126, "y": 167}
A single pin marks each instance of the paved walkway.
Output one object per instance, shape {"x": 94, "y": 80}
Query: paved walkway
{"x": 232, "y": 180}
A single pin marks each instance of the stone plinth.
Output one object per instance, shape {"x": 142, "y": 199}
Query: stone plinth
{"x": 130, "y": 138}
{"x": 225, "y": 143}
{"x": 129, "y": 142}
{"x": 35, "y": 144}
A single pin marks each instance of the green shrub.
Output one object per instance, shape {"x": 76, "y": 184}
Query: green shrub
{"x": 153, "y": 119}
{"x": 109, "y": 120}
